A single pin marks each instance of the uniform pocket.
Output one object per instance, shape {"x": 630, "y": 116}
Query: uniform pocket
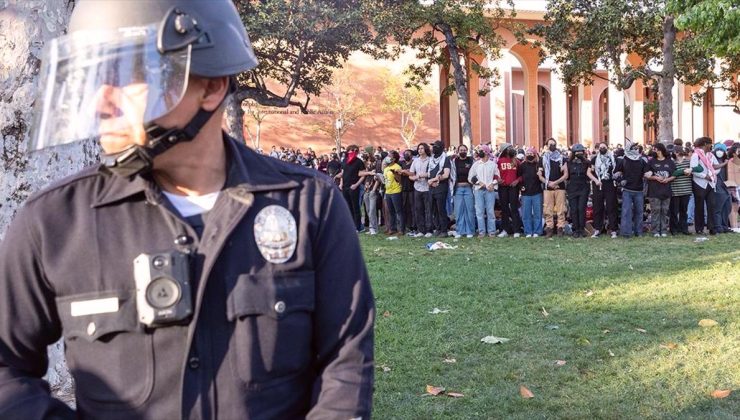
{"x": 272, "y": 321}
{"x": 109, "y": 354}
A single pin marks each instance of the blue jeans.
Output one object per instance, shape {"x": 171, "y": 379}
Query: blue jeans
{"x": 722, "y": 207}
{"x": 690, "y": 210}
{"x": 633, "y": 204}
{"x": 532, "y": 214}
{"x": 484, "y": 202}
{"x": 464, "y": 210}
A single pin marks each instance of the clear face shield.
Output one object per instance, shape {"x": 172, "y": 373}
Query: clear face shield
{"x": 106, "y": 85}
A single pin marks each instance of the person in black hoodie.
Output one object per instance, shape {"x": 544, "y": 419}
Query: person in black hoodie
{"x": 632, "y": 170}
{"x": 530, "y": 172}
{"x": 578, "y": 189}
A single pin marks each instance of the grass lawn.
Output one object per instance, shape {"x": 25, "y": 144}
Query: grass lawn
{"x": 622, "y": 314}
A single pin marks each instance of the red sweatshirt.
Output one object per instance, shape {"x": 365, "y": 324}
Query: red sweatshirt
{"x": 507, "y": 169}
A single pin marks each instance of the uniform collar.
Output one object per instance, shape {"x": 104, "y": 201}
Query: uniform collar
{"x": 247, "y": 173}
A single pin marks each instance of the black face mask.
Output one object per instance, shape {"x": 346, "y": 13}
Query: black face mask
{"x": 437, "y": 150}
{"x": 481, "y": 154}
{"x": 579, "y": 155}
{"x": 530, "y": 158}
{"x": 552, "y": 147}
{"x": 602, "y": 151}
{"x": 407, "y": 157}
{"x": 463, "y": 155}
{"x": 511, "y": 153}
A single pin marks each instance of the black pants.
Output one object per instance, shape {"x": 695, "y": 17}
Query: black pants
{"x": 407, "y": 201}
{"x": 423, "y": 211}
{"x": 509, "y": 199}
{"x": 605, "y": 206}
{"x": 679, "y": 214}
{"x": 439, "y": 211}
{"x": 577, "y": 207}
{"x": 352, "y": 197}
{"x": 702, "y": 196}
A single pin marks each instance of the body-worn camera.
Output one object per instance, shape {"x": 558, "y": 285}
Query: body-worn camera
{"x": 163, "y": 295}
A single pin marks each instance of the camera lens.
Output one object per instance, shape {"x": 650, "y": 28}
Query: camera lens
{"x": 163, "y": 292}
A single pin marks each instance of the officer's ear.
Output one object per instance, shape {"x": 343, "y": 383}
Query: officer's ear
{"x": 214, "y": 91}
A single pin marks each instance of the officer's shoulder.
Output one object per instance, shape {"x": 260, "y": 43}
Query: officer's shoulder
{"x": 88, "y": 179}
{"x": 298, "y": 173}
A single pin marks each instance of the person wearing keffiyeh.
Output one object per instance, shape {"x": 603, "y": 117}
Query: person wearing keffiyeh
{"x": 604, "y": 189}
{"x": 553, "y": 176}
{"x": 705, "y": 180}
{"x": 632, "y": 170}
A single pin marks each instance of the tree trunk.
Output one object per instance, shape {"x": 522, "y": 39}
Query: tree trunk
{"x": 257, "y": 136}
{"x": 665, "y": 86}
{"x": 234, "y": 118}
{"x": 27, "y": 26}
{"x": 461, "y": 86}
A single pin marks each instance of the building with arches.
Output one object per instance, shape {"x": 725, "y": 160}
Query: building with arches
{"x": 529, "y": 105}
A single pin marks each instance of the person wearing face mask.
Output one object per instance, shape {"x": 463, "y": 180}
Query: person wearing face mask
{"x": 733, "y": 184}
{"x": 419, "y": 173}
{"x": 604, "y": 198}
{"x": 531, "y": 191}
{"x": 554, "y": 174}
{"x": 680, "y": 193}
{"x": 631, "y": 170}
{"x": 723, "y": 201}
{"x": 577, "y": 189}
{"x": 484, "y": 177}
{"x": 463, "y": 193}
{"x": 704, "y": 183}
{"x": 508, "y": 191}
{"x": 407, "y": 192}
{"x": 440, "y": 170}
{"x": 659, "y": 190}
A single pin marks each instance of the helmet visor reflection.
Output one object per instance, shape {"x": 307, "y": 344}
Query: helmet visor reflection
{"x": 95, "y": 83}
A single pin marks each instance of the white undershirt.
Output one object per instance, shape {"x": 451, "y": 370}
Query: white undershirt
{"x": 190, "y": 205}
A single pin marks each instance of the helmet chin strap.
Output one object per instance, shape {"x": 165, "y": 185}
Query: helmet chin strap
{"x": 137, "y": 159}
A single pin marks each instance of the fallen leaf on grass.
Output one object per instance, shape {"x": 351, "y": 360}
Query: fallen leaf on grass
{"x": 525, "y": 393}
{"x": 435, "y": 390}
{"x": 450, "y": 360}
{"x": 551, "y": 327}
{"x": 385, "y": 368}
{"x": 493, "y": 340}
{"x": 606, "y": 331}
{"x": 720, "y": 393}
{"x": 583, "y": 341}
{"x": 589, "y": 293}
{"x": 544, "y": 312}
{"x": 455, "y": 395}
{"x": 611, "y": 353}
{"x": 641, "y": 330}
{"x": 560, "y": 362}
{"x": 669, "y": 346}
{"x": 436, "y": 311}
{"x": 708, "y": 323}
{"x": 631, "y": 268}
{"x": 386, "y": 314}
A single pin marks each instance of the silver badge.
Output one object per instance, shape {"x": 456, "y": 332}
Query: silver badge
{"x": 275, "y": 234}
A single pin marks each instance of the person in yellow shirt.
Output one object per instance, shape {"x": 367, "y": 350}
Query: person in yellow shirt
{"x": 392, "y": 176}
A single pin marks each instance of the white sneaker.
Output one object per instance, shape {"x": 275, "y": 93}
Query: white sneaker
{"x": 516, "y": 235}
{"x": 503, "y": 234}
{"x": 596, "y": 234}
{"x": 534, "y": 235}
{"x": 456, "y": 236}
{"x": 468, "y": 236}
{"x": 372, "y": 232}
{"x": 528, "y": 236}
{"x": 418, "y": 235}
{"x": 411, "y": 234}
{"x": 428, "y": 235}
{"x": 614, "y": 235}
{"x": 665, "y": 235}
{"x": 657, "y": 235}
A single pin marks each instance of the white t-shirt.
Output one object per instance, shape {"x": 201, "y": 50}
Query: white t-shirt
{"x": 190, "y": 205}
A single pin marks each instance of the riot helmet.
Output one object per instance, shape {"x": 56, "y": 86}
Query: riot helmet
{"x": 124, "y": 64}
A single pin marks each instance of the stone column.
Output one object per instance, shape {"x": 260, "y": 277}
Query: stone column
{"x": 558, "y": 108}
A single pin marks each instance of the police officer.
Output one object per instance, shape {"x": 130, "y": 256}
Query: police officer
{"x": 189, "y": 276}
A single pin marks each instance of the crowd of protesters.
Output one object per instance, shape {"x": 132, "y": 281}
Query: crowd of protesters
{"x": 511, "y": 191}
